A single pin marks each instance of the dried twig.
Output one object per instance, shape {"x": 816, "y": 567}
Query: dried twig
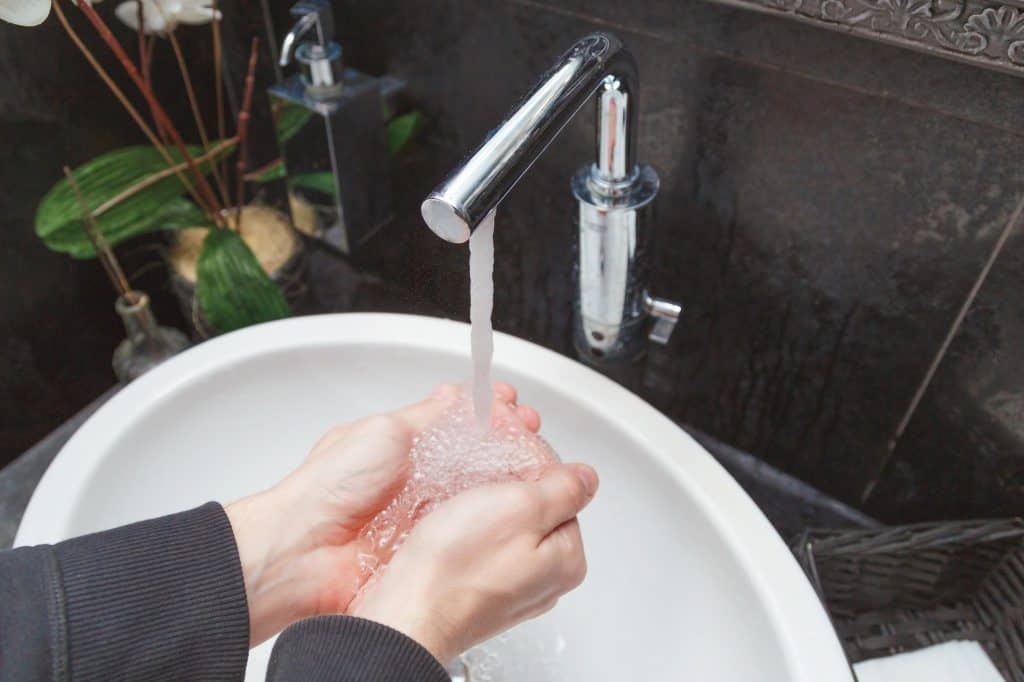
{"x": 218, "y": 82}
{"x": 123, "y": 99}
{"x": 162, "y": 175}
{"x": 257, "y": 173}
{"x": 99, "y": 244}
{"x": 242, "y": 130}
{"x": 208, "y": 199}
{"x": 150, "y": 44}
{"x": 194, "y": 104}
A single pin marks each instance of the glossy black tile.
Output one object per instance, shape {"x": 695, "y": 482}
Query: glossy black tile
{"x": 826, "y": 204}
{"x": 821, "y": 235}
{"x": 962, "y": 454}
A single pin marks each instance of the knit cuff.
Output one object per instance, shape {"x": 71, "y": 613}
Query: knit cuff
{"x": 350, "y": 649}
{"x": 159, "y": 599}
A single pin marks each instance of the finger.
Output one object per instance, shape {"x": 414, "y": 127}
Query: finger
{"x": 565, "y": 489}
{"x": 521, "y": 416}
{"x": 562, "y": 548}
{"x": 505, "y": 392}
{"x": 529, "y": 417}
{"x": 418, "y": 415}
{"x": 422, "y": 414}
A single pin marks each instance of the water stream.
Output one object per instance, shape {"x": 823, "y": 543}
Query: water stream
{"x": 464, "y": 449}
{"x": 481, "y": 304}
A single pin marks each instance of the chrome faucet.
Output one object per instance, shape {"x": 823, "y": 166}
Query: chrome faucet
{"x": 614, "y": 195}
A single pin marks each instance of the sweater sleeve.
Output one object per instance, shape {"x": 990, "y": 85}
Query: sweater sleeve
{"x": 346, "y": 649}
{"x": 160, "y": 599}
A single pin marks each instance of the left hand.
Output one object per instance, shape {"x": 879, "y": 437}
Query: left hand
{"x": 296, "y": 540}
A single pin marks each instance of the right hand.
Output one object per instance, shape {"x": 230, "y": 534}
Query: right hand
{"x": 484, "y": 561}
{"x": 297, "y": 541}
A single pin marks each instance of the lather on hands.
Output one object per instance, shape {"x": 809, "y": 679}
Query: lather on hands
{"x": 475, "y": 566}
{"x": 484, "y": 561}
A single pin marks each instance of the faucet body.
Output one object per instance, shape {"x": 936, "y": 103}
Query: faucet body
{"x": 614, "y": 194}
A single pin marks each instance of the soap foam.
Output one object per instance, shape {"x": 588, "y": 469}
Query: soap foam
{"x": 453, "y": 455}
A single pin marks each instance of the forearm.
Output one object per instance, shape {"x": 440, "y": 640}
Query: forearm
{"x": 29, "y": 648}
{"x": 160, "y": 599}
{"x": 345, "y": 649}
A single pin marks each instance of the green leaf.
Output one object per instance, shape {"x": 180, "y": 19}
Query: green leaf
{"x": 275, "y": 172}
{"x": 399, "y": 131}
{"x": 233, "y": 289}
{"x": 402, "y": 129}
{"x": 321, "y": 182}
{"x": 290, "y": 119}
{"x": 180, "y": 213}
{"x": 59, "y": 216}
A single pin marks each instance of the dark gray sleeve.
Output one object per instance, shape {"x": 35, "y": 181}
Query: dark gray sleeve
{"x": 162, "y": 599}
{"x": 344, "y": 649}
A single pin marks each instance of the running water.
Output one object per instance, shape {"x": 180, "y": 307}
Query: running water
{"x": 481, "y": 304}
{"x": 466, "y": 447}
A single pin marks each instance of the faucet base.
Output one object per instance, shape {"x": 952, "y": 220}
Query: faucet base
{"x": 589, "y": 336}
{"x": 613, "y": 261}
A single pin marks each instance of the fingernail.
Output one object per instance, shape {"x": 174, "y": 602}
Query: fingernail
{"x": 589, "y": 478}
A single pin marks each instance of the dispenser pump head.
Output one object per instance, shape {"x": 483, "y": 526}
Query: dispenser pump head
{"x": 320, "y": 58}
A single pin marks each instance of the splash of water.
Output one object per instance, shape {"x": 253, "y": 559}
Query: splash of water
{"x": 533, "y": 651}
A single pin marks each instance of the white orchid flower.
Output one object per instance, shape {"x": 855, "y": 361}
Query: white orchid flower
{"x": 24, "y": 12}
{"x": 159, "y": 16}
{"x": 27, "y": 12}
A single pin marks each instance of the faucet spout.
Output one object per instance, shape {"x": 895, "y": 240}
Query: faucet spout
{"x": 596, "y": 62}
{"x": 614, "y": 196}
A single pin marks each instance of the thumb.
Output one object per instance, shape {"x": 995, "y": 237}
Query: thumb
{"x": 565, "y": 489}
{"x": 422, "y": 414}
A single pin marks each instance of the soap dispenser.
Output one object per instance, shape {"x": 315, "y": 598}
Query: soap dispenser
{"x": 330, "y": 128}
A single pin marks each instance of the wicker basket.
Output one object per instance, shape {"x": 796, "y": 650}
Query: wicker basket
{"x": 898, "y": 589}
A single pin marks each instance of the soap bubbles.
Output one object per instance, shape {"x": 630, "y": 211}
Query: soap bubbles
{"x": 451, "y": 456}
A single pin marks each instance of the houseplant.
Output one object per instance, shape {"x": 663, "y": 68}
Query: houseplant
{"x": 169, "y": 185}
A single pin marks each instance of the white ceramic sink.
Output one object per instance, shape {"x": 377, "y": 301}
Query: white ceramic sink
{"x": 688, "y": 581}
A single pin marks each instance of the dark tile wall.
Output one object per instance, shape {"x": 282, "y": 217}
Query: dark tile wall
{"x": 961, "y": 454}
{"x": 827, "y": 204}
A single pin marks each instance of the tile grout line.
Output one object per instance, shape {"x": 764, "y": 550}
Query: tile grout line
{"x": 599, "y": 21}
{"x": 782, "y": 68}
{"x": 944, "y": 348}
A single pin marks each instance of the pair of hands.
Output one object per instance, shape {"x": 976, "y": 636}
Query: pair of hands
{"x": 480, "y": 563}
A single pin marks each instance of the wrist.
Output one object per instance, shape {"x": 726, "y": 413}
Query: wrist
{"x": 270, "y": 552}
{"x": 415, "y": 622}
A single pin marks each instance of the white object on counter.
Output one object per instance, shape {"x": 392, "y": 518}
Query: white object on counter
{"x": 946, "y": 662}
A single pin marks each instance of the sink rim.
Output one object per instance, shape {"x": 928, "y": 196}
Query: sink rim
{"x": 811, "y": 648}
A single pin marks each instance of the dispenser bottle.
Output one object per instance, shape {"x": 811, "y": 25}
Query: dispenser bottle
{"x": 330, "y": 128}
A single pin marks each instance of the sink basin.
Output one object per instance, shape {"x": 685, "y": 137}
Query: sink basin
{"x": 688, "y": 580}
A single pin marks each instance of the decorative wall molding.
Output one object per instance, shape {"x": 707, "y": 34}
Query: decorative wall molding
{"x": 989, "y": 34}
